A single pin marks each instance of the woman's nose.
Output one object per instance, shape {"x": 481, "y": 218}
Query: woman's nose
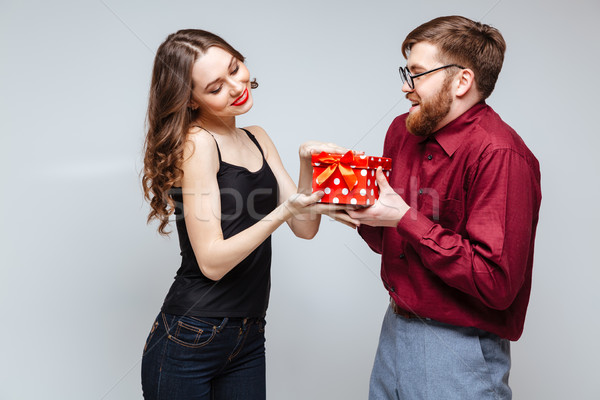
{"x": 237, "y": 86}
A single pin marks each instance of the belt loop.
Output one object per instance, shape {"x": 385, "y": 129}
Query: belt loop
{"x": 402, "y": 312}
{"x": 164, "y": 318}
{"x": 223, "y": 324}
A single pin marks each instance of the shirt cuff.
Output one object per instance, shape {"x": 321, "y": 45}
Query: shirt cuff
{"x": 413, "y": 226}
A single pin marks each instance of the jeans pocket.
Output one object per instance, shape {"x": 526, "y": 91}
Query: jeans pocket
{"x": 151, "y": 334}
{"x": 192, "y": 332}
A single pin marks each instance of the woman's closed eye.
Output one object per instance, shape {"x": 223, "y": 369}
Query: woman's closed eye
{"x": 233, "y": 72}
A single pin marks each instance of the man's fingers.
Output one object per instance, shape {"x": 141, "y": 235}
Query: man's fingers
{"x": 381, "y": 179}
{"x": 344, "y": 218}
{"x": 333, "y": 207}
{"x": 359, "y": 214}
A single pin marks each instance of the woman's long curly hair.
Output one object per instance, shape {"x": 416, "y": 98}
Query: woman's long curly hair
{"x": 170, "y": 116}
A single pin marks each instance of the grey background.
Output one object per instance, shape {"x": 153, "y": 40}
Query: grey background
{"x": 82, "y": 276}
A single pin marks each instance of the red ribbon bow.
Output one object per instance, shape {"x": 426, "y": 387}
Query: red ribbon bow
{"x": 343, "y": 164}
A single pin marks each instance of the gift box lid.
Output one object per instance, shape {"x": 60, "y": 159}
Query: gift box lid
{"x": 351, "y": 160}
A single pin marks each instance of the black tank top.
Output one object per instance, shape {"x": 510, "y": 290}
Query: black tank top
{"x": 246, "y": 197}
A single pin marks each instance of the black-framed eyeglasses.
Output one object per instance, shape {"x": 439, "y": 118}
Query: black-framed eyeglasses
{"x": 407, "y": 77}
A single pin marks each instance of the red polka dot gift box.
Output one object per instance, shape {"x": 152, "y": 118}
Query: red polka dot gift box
{"x": 348, "y": 178}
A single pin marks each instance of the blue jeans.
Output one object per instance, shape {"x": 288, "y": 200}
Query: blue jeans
{"x": 425, "y": 359}
{"x": 204, "y": 358}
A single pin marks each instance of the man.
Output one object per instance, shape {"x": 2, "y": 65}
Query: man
{"x": 455, "y": 225}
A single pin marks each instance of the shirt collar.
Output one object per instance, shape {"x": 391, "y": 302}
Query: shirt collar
{"x": 451, "y": 136}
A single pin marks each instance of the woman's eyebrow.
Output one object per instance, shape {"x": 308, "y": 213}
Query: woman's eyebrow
{"x": 215, "y": 81}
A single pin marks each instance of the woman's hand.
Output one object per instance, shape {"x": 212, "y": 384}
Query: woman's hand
{"x": 307, "y": 149}
{"x": 335, "y": 211}
{"x": 308, "y": 206}
{"x": 300, "y": 203}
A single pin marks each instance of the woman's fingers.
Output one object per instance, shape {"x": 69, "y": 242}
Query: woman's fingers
{"x": 315, "y": 147}
{"x": 299, "y": 203}
{"x": 308, "y": 204}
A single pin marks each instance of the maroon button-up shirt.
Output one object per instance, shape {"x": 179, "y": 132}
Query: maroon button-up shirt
{"x": 463, "y": 253}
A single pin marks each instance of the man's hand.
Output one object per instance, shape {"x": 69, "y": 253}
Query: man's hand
{"x": 338, "y": 213}
{"x": 388, "y": 210}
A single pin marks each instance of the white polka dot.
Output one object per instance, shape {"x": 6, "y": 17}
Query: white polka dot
{"x": 327, "y": 190}
{"x": 344, "y": 191}
{"x": 373, "y": 173}
{"x": 336, "y": 181}
{"x": 368, "y": 182}
{"x": 363, "y": 192}
{"x": 353, "y": 201}
{"x": 387, "y": 174}
{"x": 317, "y": 164}
{"x": 368, "y": 202}
{"x": 363, "y": 157}
{"x": 375, "y": 183}
{"x": 336, "y": 200}
{"x": 379, "y": 159}
{"x": 372, "y": 192}
{"x": 353, "y": 166}
{"x": 363, "y": 172}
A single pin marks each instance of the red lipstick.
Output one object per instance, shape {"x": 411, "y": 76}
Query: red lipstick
{"x": 242, "y": 99}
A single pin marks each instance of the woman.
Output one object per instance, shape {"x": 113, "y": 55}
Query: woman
{"x": 229, "y": 191}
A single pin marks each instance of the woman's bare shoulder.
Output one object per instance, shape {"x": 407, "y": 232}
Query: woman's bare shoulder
{"x": 200, "y": 152}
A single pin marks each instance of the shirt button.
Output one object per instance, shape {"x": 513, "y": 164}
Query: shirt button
{"x": 429, "y": 157}
{"x": 420, "y": 191}
{"x": 401, "y": 256}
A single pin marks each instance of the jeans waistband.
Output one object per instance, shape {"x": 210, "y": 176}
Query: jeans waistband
{"x": 218, "y": 322}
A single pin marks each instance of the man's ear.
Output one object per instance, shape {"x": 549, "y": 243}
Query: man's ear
{"x": 466, "y": 81}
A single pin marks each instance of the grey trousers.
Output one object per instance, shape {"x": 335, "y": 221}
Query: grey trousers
{"x": 425, "y": 359}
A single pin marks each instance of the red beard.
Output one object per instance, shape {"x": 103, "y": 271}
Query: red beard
{"x": 423, "y": 121}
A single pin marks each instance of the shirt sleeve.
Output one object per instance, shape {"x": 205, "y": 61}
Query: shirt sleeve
{"x": 490, "y": 261}
{"x": 373, "y": 236}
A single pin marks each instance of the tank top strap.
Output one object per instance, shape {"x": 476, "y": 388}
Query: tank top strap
{"x": 216, "y": 144}
{"x": 251, "y": 136}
